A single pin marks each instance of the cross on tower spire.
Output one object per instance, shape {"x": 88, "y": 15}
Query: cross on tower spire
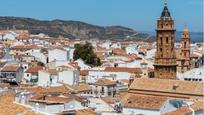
{"x": 165, "y": 2}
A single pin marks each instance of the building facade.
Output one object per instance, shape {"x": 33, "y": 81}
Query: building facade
{"x": 165, "y": 58}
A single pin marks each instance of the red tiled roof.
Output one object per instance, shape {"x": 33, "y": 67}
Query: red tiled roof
{"x": 84, "y": 72}
{"x": 119, "y": 51}
{"x": 79, "y": 112}
{"x": 10, "y": 68}
{"x": 105, "y": 82}
{"x": 143, "y": 101}
{"x": 82, "y": 87}
{"x": 123, "y": 69}
{"x": 8, "y": 107}
{"x": 167, "y": 86}
{"x": 49, "y": 90}
{"x": 34, "y": 69}
{"x": 24, "y": 47}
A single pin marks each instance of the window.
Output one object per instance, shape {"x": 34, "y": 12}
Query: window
{"x": 184, "y": 54}
{"x": 102, "y": 89}
{"x": 160, "y": 74}
{"x": 27, "y": 75}
{"x": 109, "y": 93}
{"x": 161, "y": 40}
{"x": 184, "y": 44}
{"x": 167, "y": 40}
{"x": 200, "y": 79}
{"x": 196, "y": 79}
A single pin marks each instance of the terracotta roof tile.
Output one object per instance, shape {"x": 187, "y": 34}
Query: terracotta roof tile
{"x": 51, "y": 71}
{"x": 82, "y": 87}
{"x": 34, "y": 69}
{"x": 119, "y": 51}
{"x": 50, "y": 90}
{"x": 105, "y": 82}
{"x": 166, "y": 85}
{"x": 10, "y": 68}
{"x": 143, "y": 101}
{"x": 84, "y": 72}
{"x": 7, "y": 107}
{"x": 123, "y": 69}
{"x": 24, "y": 47}
{"x": 80, "y": 112}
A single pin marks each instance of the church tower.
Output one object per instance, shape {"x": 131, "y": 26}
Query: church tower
{"x": 184, "y": 64}
{"x": 165, "y": 58}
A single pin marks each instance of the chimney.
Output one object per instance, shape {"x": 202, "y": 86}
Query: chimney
{"x": 175, "y": 86}
{"x": 131, "y": 79}
{"x": 115, "y": 65}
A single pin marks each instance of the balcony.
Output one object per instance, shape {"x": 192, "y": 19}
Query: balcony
{"x": 165, "y": 62}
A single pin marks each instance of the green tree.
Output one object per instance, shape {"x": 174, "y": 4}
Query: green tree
{"x": 86, "y": 53}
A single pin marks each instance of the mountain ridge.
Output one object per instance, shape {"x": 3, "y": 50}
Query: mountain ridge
{"x": 68, "y": 28}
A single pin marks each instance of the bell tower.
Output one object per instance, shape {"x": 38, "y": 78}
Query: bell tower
{"x": 165, "y": 58}
{"x": 184, "y": 64}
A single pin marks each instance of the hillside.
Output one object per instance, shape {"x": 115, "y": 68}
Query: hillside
{"x": 69, "y": 29}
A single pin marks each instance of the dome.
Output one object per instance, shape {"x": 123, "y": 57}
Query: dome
{"x": 185, "y": 30}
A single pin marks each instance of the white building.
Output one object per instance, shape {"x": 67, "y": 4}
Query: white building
{"x": 31, "y": 74}
{"x": 131, "y": 49}
{"x": 50, "y": 104}
{"x": 82, "y": 65}
{"x": 196, "y": 74}
{"x": 57, "y": 63}
{"x": 57, "y": 54}
{"x": 69, "y": 75}
{"x": 48, "y": 77}
{"x": 10, "y": 35}
{"x": 114, "y": 73}
{"x": 106, "y": 45}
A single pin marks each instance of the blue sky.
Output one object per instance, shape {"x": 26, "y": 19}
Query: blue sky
{"x": 140, "y": 15}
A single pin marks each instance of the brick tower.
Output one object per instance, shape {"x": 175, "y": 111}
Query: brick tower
{"x": 184, "y": 61}
{"x": 165, "y": 58}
